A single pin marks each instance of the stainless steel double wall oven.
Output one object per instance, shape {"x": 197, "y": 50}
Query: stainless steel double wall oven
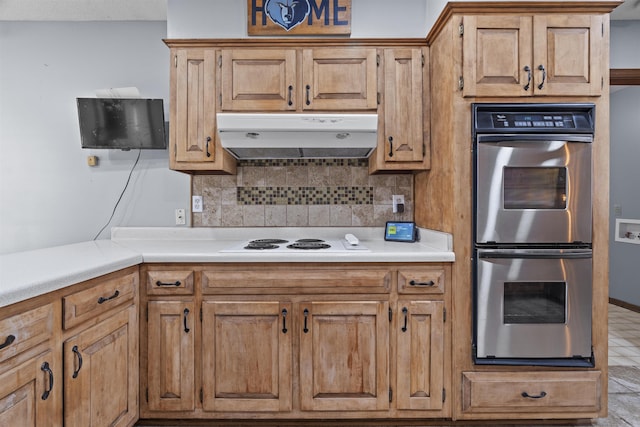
{"x": 532, "y": 233}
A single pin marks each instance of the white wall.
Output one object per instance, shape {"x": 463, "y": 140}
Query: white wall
{"x": 624, "y": 281}
{"x": 228, "y": 18}
{"x": 48, "y": 194}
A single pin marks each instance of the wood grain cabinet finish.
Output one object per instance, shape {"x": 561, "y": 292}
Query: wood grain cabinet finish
{"x": 421, "y": 281}
{"x": 247, "y": 356}
{"x": 99, "y": 300}
{"x": 420, "y": 355}
{"x": 332, "y": 79}
{"x": 193, "y": 141}
{"x": 344, "y": 355}
{"x": 170, "y": 361}
{"x": 24, "y": 331}
{"x": 525, "y": 55}
{"x": 31, "y": 393}
{"x": 101, "y": 373}
{"x": 531, "y": 392}
{"x": 259, "y": 80}
{"x": 169, "y": 282}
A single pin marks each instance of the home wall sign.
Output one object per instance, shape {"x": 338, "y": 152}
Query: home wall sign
{"x": 298, "y": 17}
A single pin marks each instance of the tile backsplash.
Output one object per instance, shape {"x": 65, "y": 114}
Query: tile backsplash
{"x": 299, "y": 193}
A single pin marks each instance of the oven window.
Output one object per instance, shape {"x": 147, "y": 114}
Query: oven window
{"x": 534, "y": 302}
{"x": 535, "y": 188}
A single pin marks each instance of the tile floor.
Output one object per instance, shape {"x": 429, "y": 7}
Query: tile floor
{"x": 624, "y": 376}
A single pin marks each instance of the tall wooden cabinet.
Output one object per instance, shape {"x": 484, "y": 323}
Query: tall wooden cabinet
{"x": 479, "y": 53}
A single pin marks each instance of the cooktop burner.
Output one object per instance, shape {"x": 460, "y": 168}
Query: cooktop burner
{"x": 269, "y": 241}
{"x": 309, "y": 244}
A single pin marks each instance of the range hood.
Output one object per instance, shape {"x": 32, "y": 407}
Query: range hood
{"x": 295, "y": 136}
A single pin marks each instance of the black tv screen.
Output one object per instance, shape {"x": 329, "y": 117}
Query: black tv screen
{"x": 121, "y": 123}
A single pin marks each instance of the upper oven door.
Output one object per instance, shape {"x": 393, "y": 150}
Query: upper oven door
{"x": 533, "y": 189}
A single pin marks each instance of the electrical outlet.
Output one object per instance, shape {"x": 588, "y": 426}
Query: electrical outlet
{"x": 180, "y": 217}
{"x": 196, "y": 204}
{"x": 398, "y": 203}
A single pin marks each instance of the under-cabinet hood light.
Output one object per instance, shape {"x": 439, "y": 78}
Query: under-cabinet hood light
{"x": 293, "y": 136}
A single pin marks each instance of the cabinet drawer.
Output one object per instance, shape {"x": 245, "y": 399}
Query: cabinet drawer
{"x": 530, "y": 391}
{"x": 421, "y": 280}
{"x": 106, "y": 295}
{"x": 298, "y": 279}
{"x": 25, "y": 330}
{"x": 167, "y": 282}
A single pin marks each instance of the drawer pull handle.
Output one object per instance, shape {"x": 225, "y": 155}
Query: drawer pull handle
{"x": 45, "y": 368}
{"x": 308, "y": 102}
{"x": 306, "y": 314}
{"x": 405, "y": 311}
{"x": 186, "y": 313}
{"x": 76, "y": 352}
{"x": 176, "y": 284}
{"x": 102, "y": 300}
{"x": 529, "y": 396}
{"x": 290, "y": 101}
{"x": 390, "y": 146}
{"x": 429, "y": 283}
{"x": 207, "y": 148}
{"x": 10, "y": 339}
{"x": 284, "y": 320}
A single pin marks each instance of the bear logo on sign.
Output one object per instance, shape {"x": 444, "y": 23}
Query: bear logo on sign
{"x": 287, "y": 13}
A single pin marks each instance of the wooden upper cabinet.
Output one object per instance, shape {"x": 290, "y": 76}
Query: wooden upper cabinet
{"x": 246, "y": 356}
{"x": 194, "y": 106}
{"x": 287, "y": 79}
{"x": 258, "y": 79}
{"x": 569, "y": 47}
{"x": 403, "y": 109}
{"x": 344, "y": 355}
{"x": 526, "y": 55}
{"x": 339, "y": 79}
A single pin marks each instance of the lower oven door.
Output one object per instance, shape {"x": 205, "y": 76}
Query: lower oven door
{"x": 533, "y": 304}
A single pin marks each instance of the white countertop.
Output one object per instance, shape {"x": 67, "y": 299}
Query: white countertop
{"x": 28, "y": 274}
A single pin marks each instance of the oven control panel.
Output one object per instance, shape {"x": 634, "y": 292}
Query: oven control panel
{"x": 545, "y": 118}
{"x": 533, "y": 120}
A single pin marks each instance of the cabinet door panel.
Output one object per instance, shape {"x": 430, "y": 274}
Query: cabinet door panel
{"x": 344, "y": 355}
{"x": 255, "y": 80}
{"x": 246, "y": 356}
{"x": 568, "y": 47}
{"x": 496, "y": 51}
{"x": 420, "y": 355}
{"x": 101, "y": 373}
{"x": 403, "y": 111}
{"x": 24, "y": 400}
{"x": 170, "y": 356}
{"x": 194, "y": 106}
{"x": 339, "y": 79}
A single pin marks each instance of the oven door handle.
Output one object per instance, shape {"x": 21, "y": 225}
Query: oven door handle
{"x": 517, "y": 140}
{"x": 536, "y": 254}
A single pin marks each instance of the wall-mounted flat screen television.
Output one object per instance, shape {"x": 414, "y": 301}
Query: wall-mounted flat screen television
{"x": 121, "y": 123}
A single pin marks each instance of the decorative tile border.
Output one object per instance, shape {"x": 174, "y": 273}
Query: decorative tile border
{"x": 305, "y": 195}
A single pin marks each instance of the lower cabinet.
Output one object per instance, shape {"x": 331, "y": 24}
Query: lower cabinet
{"x": 420, "y": 355}
{"x": 170, "y": 356}
{"x": 30, "y": 393}
{"x": 344, "y": 355}
{"x": 100, "y": 373}
{"x": 294, "y": 342}
{"x": 246, "y": 356}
